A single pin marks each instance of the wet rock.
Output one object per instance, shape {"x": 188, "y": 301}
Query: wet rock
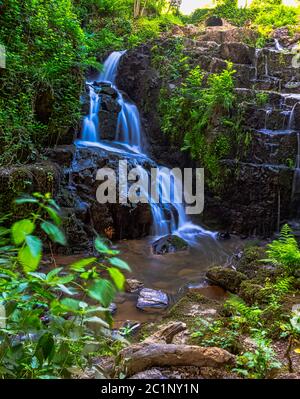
{"x": 238, "y": 53}
{"x": 229, "y": 35}
{"x": 132, "y": 285}
{"x": 224, "y": 236}
{"x": 169, "y": 244}
{"x": 226, "y": 278}
{"x": 110, "y": 91}
{"x": 112, "y": 308}
{"x": 152, "y": 300}
{"x": 61, "y": 155}
{"x": 108, "y": 114}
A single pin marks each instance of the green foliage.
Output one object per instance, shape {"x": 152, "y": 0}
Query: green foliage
{"x": 265, "y": 15}
{"x": 245, "y": 316}
{"x": 284, "y": 251}
{"x": 270, "y": 15}
{"x": 49, "y": 46}
{"x": 229, "y": 10}
{"x": 262, "y": 98}
{"x": 260, "y": 362}
{"x": 216, "y": 334}
{"x": 48, "y": 327}
{"x": 193, "y": 111}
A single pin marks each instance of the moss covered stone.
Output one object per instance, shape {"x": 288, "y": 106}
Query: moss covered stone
{"x": 226, "y": 278}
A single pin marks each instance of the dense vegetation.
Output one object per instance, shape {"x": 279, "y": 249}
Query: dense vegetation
{"x": 54, "y": 320}
{"x": 49, "y": 47}
{"x": 264, "y": 15}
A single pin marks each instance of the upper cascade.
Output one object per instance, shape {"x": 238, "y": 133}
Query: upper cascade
{"x": 169, "y": 217}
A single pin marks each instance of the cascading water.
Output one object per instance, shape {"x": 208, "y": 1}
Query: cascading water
{"x": 129, "y": 124}
{"x": 292, "y": 117}
{"x": 168, "y": 218}
{"x": 90, "y": 130}
{"x": 278, "y": 46}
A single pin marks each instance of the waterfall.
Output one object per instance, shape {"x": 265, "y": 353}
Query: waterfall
{"x": 278, "y": 46}
{"x": 169, "y": 217}
{"x": 266, "y": 67}
{"x": 292, "y": 117}
{"x": 256, "y": 58}
{"x": 90, "y": 130}
{"x": 268, "y": 113}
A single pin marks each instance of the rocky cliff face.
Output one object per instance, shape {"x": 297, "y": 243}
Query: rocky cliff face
{"x": 256, "y": 197}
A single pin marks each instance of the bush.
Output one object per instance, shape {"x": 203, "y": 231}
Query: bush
{"x": 284, "y": 251}
{"x": 48, "y": 325}
{"x": 193, "y": 110}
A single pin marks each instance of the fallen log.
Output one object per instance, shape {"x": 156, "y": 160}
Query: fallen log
{"x": 166, "y": 334}
{"x": 141, "y": 357}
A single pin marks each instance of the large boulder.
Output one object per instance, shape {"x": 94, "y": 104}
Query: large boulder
{"x": 169, "y": 244}
{"x": 238, "y": 53}
{"x": 226, "y": 278}
{"x": 152, "y": 300}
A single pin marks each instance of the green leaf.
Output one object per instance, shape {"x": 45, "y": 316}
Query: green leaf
{"x": 26, "y": 200}
{"x": 54, "y": 273}
{"x": 29, "y": 262}
{"x": 54, "y": 204}
{"x": 40, "y": 276}
{"x": 67, "y": 290}
{"x": 35, "y": 245}
{"x": 117, "y": 277}
{"x": 100, "y": 246}
{"x": 103, "y": 249}
{"x": 53, "y": 214}
{"x": 103, "y": 291}
{"x": 45, "y": 347}
{"x": 97, "y": 320}
{"x": 81, "y": 264}
{"x": 119, "y": 263}
{"x": 71, "y": 304}
{"x": 22, "y": 229}
{"x": 54, "y": 233}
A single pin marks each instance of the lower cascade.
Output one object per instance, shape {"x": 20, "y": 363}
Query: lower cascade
{"x": 169, "y": 217}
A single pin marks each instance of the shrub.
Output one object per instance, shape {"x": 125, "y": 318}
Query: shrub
{"x": 48, "y": 325}
{"x": 194, "y": 110}
{"x": 284, "y": 251}
{"x": 260, "y": 362}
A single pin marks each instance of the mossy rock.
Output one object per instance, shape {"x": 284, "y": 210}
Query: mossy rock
{"x": 26, "y": 179}
{"x": 253, "y": 293}
{"x": 252, "y": 266}
{"x": 169, "y": 244}
{"x": 226, "y": 278}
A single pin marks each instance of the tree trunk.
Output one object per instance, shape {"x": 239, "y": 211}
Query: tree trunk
{"x": 141, "y": 357}
{"x": 137, "y": 8}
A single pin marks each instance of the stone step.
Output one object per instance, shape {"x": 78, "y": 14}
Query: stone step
{"x": 270, "y": 147}
{"x": 252, "y": 194}
{"x": 269, "y": 110}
